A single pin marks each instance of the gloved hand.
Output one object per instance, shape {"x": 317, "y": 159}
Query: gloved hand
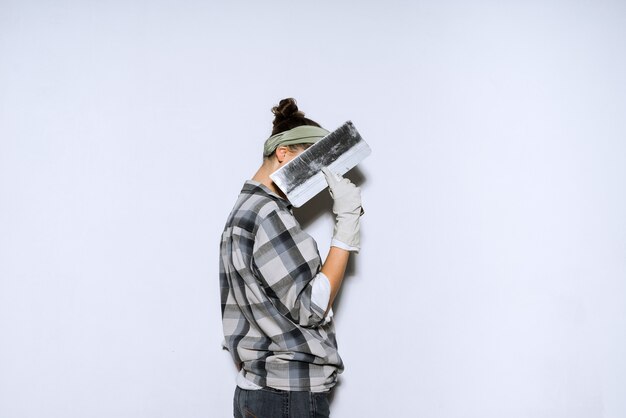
{"x": 347, "y": 206}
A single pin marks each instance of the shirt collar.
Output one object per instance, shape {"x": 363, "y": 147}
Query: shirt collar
{"x": 253, "y": 186}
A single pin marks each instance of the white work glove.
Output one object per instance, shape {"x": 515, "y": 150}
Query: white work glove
{"x": 347, "y": 207}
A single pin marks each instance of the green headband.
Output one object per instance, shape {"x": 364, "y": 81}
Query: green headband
{"x": 305, "y": 134}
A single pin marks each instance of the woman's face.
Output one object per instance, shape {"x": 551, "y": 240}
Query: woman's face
{"x": 291, "y": 154}
{"x": 286, "y": 154}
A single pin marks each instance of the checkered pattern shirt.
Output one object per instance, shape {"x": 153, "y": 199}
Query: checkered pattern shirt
{"x": 272, "y": 328}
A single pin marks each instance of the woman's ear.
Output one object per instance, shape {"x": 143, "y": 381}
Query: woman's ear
{"x": 280, "y": 153}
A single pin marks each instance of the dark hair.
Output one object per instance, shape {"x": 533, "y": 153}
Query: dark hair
{"x": 287, "y": 116}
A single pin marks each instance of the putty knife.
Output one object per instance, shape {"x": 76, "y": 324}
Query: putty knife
{"x": 301, "y": 178}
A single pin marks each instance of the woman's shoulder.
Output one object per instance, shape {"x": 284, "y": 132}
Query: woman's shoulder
{"x": 252, "y": 210}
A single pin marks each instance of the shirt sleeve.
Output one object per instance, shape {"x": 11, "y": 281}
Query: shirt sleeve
{"x": 321, "y": 294}
{"x": 287, "y": 264}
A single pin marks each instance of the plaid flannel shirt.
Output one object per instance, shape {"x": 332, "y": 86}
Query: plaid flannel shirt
{"x": 272, "y": 329}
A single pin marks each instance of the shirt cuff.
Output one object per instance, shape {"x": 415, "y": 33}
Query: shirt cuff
{"x": 320, "y": 295}
{"x": 244, "y": 383}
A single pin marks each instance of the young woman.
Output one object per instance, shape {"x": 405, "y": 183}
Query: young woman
{"x": 276, "y": 294}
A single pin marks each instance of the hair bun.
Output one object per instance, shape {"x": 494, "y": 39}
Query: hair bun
{"x": 286, "y": 109}
{"x": 287, "y": 116}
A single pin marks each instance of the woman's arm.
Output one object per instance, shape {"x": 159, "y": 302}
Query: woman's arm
{"x": 335, "y": 268}
{"x": 347, "y": 208}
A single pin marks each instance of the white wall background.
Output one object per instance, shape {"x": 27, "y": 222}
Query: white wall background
{"x": 492, "y": 280}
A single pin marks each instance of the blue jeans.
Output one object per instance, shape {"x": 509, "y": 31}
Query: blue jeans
{"x": 273, "y": 403}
